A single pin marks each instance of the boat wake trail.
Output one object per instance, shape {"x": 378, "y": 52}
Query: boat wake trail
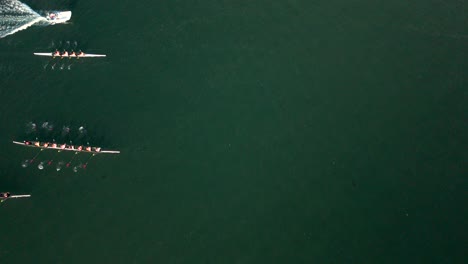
{"x": 16, "y": 16}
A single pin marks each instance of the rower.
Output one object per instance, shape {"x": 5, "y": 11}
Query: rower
{"x": 72, "y": 54}
{"x": 80, "y": 54}
{"x": 88, "y": 148}
{"x": 27, "y": 142}
{"x": 46, "y": 145}
{"x": 4, "y": 196}
{"x": 37, "y": 144}
{"x": 65, "y": 53}
{"x": 80, "y": 148}
{"x": 63, "y": 146}
{"x": 54, "y": 145}
{"x": 98, "y": 149}
{"x": 56, "y": 53}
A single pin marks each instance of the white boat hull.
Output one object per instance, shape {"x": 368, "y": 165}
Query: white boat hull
{"x": 20, "y": 196}
{"x": 58, "y": 17}
{"x": 68, "y": 149}
{"x": 49, "y": 54}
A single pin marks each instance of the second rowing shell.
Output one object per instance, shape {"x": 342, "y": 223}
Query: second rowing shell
{"x": 67, "y": 149}
{"x": 48, "y": 54}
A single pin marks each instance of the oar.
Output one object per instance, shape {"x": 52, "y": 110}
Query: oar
{"x": 86, "y": 164}
{"x": 32, "y": 160}
{"x": 69, "y": 163}
{"x": 53, "y": 157}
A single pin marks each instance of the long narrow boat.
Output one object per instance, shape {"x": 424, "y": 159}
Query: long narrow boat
{"x": 65, "y": 147}
{"x": 6, "y": 195}
{"x": 51, "y": 54}
{"x": 19, "y": 196}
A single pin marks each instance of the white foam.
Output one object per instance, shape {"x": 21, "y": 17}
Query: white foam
{"x": 16, "y": 16}
{"x": 23, "y": 27}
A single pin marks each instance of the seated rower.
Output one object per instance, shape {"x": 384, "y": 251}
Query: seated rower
{"x": 80, "y": 54}
{"x": 54, "y": 145}
{"x": 45, "y": 145}
{"x": 72, "y": 54}
{"x": 5, "y": 195}
{"x": 88, "y": 148}
{"x": 65, "y": 54}
{"x": 56, "y": 53}
{"x": 27, "y": 142}
{"x": 80, "y": 148}
{"x": 37, "y": 144}
{"x": 98, "y": 149}
{"x": 63, "y": 146}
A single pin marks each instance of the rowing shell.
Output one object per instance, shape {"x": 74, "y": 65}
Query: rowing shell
{"x": 19, "y": 196}
{"x": 69, "y": 149}
{"x": 3, "y": 199}
{"x": 48, "y": 54}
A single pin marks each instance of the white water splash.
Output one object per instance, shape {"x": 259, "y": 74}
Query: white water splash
{"x": 16, "y": 16}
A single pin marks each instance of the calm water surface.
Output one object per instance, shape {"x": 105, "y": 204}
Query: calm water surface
{"x": 251, "y": 132}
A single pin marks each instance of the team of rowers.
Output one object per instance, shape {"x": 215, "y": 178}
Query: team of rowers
{"x": 65, "y": 53}
{"x": 61, "y": 146}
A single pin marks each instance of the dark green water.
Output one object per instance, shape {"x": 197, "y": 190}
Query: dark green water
{"x": 251, "y": 132}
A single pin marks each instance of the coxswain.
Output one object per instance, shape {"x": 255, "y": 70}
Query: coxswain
{"x": 4, "y": 196}
{"x": 56, "y": 53}
{"x": 27, "y": 142}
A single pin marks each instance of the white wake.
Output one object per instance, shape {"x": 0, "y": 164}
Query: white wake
{"x": 16, "y": 16}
